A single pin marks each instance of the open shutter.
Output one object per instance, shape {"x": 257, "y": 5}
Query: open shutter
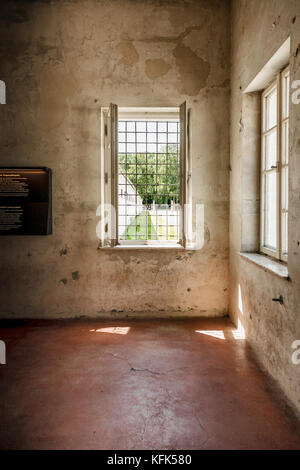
{"x": 183, "y": 168}
{"x": 113, "y": 111}
{"x": 107, "y": 230}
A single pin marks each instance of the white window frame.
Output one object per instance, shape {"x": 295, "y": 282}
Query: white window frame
{"x": 109, "y": 171}
{"x": 278, "y": 168}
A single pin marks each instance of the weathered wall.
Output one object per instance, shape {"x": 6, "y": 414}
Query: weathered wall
{"x": 61, "y": 61}
{"x": 258, "y": 30}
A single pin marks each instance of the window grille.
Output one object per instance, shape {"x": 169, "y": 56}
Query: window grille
{"x": 149, "y": 181}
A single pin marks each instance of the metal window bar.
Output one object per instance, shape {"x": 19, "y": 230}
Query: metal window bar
{"x": 149, "y": 162}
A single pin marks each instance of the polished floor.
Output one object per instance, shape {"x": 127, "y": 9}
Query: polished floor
{"x": 190, "y": 384}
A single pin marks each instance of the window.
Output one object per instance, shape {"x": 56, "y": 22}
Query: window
{"x": 146, "y": 175}
{"x": 274, "y": 174}
{"x": 149, "y": 180}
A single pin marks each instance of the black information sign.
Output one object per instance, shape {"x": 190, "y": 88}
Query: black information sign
{"x": 25, "y": 201}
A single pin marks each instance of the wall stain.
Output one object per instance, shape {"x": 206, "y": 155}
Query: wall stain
{"x": 156, "y": 68}
{"x": 63, "y": 251}
{"x": 175, "y": 39}
{"x": 56, "y": 86}
{"x": 193, "y": 70}
{"x": 126, "y": 49}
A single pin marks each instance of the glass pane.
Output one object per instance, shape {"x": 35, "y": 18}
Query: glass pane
{"x": 172, "y": 138}
{"x": 162, "y": 127}
{"x": 151, "y": 137}
{"x": 130, "y": 126}
{"x": 270, "y": 149}
{"x": 285, "y": 233}
{"x": 141, "y": 127}
{"x": 285, "y": 142}
{"x": 141, "y": 137}
{"x": 149, "y": 181}
{"x": 271, "y": 109}
{"x": 162, "y": 138}
{"x": 270, "y": 210}
{"x": 141, "y": 148}
{"x": 284, "y": 215}
{"x": 172, "y": 127}
{"x": 287, "y": 90}
{"x": 151, "y": 147}
{"x": 151, "y": 126}
{"x": 130, "y": 148}
{"x": 121, "y": 126}
{"x": 285, "y": 95}
{"x": 131, "y": 137}
{"x": 285, "y": 188}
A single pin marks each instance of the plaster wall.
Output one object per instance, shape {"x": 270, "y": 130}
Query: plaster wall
{"x": 259, "y": 28}
{"x": 62, "y": 61}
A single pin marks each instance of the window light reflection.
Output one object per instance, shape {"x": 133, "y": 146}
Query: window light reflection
{"x": 117, "y": 330}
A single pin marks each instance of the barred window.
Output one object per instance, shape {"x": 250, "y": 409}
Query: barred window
{"x": 145, "y": 177}
{"x": 149, "y": 180}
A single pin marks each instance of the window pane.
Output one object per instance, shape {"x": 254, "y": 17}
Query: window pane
{"x": 270, "y": 149}
{"x": 172, "y": 138}
{"x": 130, "y": 126}
{"x": 285, "y": 142}
{"x": 162, "y": 127}
{"x": 151, "y": 137}
{"x": 121, "y": 126}
{"x": 141, "y": 126}
{"x": 172, "y": 127}
{"x": 141, "y": 137}
{"x": 149, "y": 181}
{"x": 151, "y": 148}
{"x": 131, "y": 137}
{"x": 284, "y": 233}
{"x": 285, "y": 188}
{"x": 285, "y": 95}
{"x": 270, "y": 210}
{"x": 284, "y": 208}
{"x": 141, "y": 148}
{"x": 271, "y": 109}
{"x": 131, "y": 148}
{"x": 151, "y": 126}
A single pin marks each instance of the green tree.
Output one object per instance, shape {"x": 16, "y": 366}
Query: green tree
{"x": 156, "y": 177}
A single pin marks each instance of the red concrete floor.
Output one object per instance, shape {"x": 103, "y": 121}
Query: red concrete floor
{"x": 157, "y": 385}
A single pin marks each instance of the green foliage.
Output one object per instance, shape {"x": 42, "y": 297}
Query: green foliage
{"x": 155, "y": 176}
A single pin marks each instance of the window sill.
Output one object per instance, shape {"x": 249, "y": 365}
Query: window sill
{"x": 274, "y": 267}
{"x": 145, "y": 247}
